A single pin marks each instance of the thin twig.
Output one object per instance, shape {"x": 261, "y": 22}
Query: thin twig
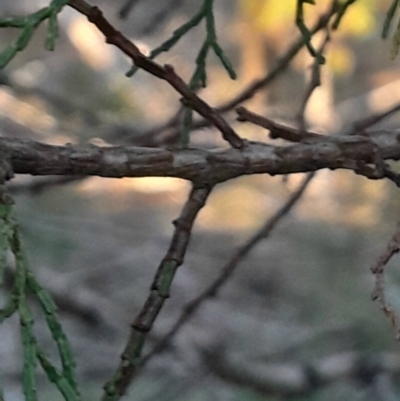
{"x": 361, "y": 125}
{"x": 229, "y": 268}
{"x": 159, "y": 18}
{"x": 284, "y": 132}
{"x": 160, "y": 290}
{"x": 378, "y": 270}
{"x": 127, "y": 8}
{"x": 305, "y": 32}
{"x": 277, "y": 130}
{"x": 315, "y": 82}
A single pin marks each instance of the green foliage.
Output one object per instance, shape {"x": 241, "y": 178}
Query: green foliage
{"x": 341, "y": 11}
{"x": 389, "y": 18}
{"x": 25, "y": 283}
{"x": 205, "y": 13}
{"x": 387, "y": 24}
{"x": 199, "y": 77}
{"x": 305, "y": 32}
{"x": 28, "y": 25}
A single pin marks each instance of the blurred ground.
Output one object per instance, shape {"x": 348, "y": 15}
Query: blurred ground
{"x": 304, "y": 294}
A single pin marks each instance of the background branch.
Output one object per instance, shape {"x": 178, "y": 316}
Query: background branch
{"x": 228, "y": 269}
{"x": 378, "y": 270}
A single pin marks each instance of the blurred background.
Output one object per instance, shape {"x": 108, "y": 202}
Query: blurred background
{"x": 300, "y": 301}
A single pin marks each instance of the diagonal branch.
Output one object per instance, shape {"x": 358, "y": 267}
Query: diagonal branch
{"x": 314, "y": 83}
{"x": 126, "y": 8}
{"x": 378, "y": 270}
{"x": 166, "y": 73}
{"x": 160, "y": 289}
{"x": 277, "y": 130}
{"x": 229, "y": 268}
{"x": 361, "y": 125}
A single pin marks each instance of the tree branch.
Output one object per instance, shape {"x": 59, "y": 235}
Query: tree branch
{"x": 159, "y": 292}
{"x": 378, "y": 270}
{"x": 166, "y": 73}
{"x": 277, "y": 130}
{"x": 228, "y": 269}
{"x": 204, "y": 166}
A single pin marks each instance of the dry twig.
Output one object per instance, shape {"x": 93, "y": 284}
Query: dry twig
{"x": 277, "y": 130}
{"x": 315, "y": 82}
{"x": 361, "y": 125}
{"x": 160, "y": 289}
{"x": 378, "y": 270}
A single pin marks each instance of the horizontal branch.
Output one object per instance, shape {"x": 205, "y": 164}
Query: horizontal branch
{"x": 357, "y": 153}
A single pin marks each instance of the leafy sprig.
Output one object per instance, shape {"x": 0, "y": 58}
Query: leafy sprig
{"x": 199, "y": 77}
{"x": 305, "y": 32}
{"x": 25, "y": 283}
{"x": 28, "y": 25}
{"x": 386, "y": 27}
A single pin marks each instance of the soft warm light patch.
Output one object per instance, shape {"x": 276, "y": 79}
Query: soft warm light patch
{"x": 31, "y": 114}
{"x": 90, "y": 44}
{"x": 144, "y": 185}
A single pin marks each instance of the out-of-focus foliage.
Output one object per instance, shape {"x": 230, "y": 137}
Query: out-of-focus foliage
{"x": 275, "y": 19}
{"x": 28, "y": 25}
{"x": 390, "y": 18}
{"x": 267, "y": 15}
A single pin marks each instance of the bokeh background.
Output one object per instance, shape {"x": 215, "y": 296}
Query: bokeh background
{"x": 303, "y": 297}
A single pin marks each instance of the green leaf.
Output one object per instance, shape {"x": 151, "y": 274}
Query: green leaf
{"x": 225, "y": 60}
{"x": 7, "y": 55}
{"x": 25, "y": 37}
